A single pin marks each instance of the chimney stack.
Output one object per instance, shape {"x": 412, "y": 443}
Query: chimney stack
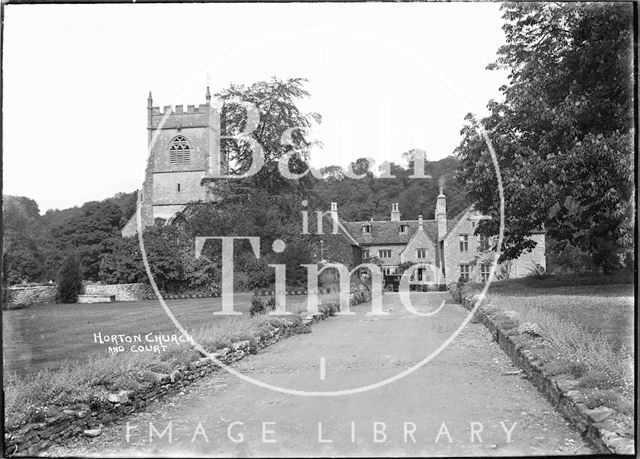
{"x": 441, "y": 214}
{"x": 420, "y": 221}
{"x": 334, "y": 217}
{"x": 395, "y": 212}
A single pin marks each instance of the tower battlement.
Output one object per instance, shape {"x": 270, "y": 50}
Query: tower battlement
{"x": 183, "y": 146}
{"x": 179, "y": 110}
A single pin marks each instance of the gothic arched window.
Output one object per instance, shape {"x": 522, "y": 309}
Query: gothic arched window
{"x": 179, "y": 150}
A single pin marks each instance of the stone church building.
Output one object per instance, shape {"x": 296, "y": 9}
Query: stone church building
{"x": 184, "y": 145}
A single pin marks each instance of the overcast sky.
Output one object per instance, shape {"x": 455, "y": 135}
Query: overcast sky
{"x": 385, "y": 78}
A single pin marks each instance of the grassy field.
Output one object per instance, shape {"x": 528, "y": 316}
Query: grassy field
{"x": 46, "y": 335}
{"x": 598, "y": 303}
{"x": 587, "y": 325}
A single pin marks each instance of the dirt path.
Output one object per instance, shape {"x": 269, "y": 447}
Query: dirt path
{"x": 461, "y": 403}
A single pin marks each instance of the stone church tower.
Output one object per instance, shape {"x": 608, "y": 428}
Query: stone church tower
{"x": 183, "y": 146}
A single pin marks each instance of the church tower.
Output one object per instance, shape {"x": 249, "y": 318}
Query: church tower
{"x": 183, "y": 145}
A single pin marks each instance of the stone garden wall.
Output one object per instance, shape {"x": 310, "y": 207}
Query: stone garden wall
{"x": 26, "y": 296}
{"x": 601, "y": 426}
{"x": 122, "y": 292}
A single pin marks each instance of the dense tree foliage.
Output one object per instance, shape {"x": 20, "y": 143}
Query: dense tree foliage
{"x": 21, "y": 248}
{"x": 171, "y": 257}
{"x": 372, "y": 197}
{"x": 35, "y": 245}
{"x": 563, "y": 134}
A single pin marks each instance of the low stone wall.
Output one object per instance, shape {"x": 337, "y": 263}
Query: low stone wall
{"x": 26, "y": 296}
{"x": 122, "y": 292}
{"x": 88, "y": 299}
{"x": 83, "y": 419}
{"x": 598, "y": 425}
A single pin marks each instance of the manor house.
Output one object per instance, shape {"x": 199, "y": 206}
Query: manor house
{"x": 445, "y": 249}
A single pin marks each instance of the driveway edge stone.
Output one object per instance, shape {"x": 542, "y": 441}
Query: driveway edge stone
{"x": 596, "y": 425}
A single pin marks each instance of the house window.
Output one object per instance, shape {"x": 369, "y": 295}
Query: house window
{"x": 389, "y": 271}
{"x": 365, "y": 254}
{"x": 484, "y": 243}
{"x": 464, "y": 242}
{"x": 366, "y": 229}
{"x": 179, "y": 150}
{"x": 484, "y": 272}
{"x": 421, "y": 253}
{"x": 404, "y": 229}
{"x": 464, "y": 273}
{"x": 386, "y": 253}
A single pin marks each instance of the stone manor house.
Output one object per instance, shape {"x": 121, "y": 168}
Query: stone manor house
{"x": 444, "y": 249}
{"x": 185, "y": 145}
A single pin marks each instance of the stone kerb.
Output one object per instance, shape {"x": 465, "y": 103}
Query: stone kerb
{"x": 83, "y": 419}
{"x": 597, "y": 425}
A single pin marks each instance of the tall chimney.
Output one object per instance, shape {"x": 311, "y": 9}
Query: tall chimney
{"x": 395, "y": 212}
{"x": 441, "y": 214}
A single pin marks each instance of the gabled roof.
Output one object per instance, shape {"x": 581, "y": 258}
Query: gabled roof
{"x": 343, "y": 229}
{"x": 415, "y": 234}
{"x": 458, "y": 219}
{"x": 388, "y": 232}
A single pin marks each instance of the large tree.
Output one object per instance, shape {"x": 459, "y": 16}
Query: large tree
{"x": 21, "y": 248}
{"x": 281, "y": 130}
{"x": 89, "y": 234}
{"x": 563, "y": 133}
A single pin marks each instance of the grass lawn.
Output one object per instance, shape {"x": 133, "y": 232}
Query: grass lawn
{"x": 595, "y": 302}
{"x": 46, "y": 335}
{"x": 587, "y": 326}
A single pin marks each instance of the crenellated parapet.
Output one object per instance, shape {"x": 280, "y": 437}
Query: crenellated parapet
{"x": 179, "y": 110}
{"x": 170, "y": 117}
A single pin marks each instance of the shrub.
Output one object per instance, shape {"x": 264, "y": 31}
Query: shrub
{"x": 299, "y": 327}
{"x": 257, "y": 306}
{"x": 271, "y": 303}
{"x": 563, "y": 257}
{"x": 538, "y": 272}
{"x": 69, "y": 280}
